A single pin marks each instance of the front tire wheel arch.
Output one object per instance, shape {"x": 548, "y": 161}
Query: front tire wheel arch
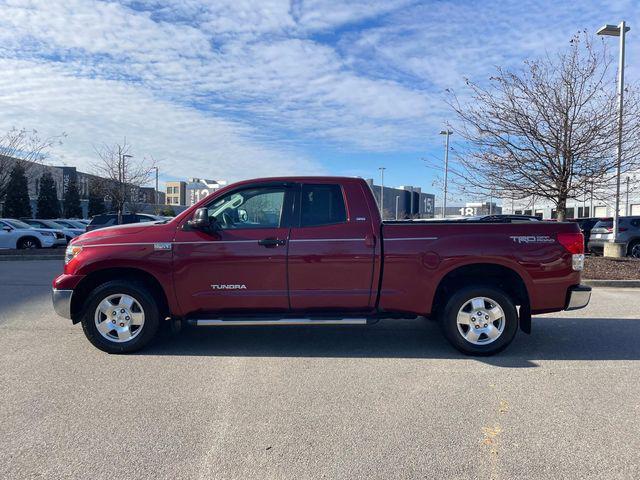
{"x": 457, "y": 300}
{"x": 142, "y": 295}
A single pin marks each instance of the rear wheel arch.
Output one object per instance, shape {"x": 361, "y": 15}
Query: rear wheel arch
{"x": 482, "y": 274}
{"x": 22, "y": 240}
{"x": 100, "y": 277}
{"x": 633, "y": 249}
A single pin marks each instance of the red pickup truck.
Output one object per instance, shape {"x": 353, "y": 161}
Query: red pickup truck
{"x": 314, "y": 251}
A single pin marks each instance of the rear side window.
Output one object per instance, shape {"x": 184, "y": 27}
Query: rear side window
{"x": 604, "y": 224}
{"x": 321, "y": 204}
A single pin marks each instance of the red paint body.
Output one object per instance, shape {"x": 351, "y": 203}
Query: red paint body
{"x": 360, "y": 266}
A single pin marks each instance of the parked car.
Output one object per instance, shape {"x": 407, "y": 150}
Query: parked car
{"x": 629, "y": 234}
{"x": 110, "y": 219}
{"x": 58, "y": 233}
{"x": 586, "y": 225}
{"x": 16, "y": 234}
{"x": 68, "y": 232}
{"x": 314, "y": 251}
{"x": 71, "y": 223}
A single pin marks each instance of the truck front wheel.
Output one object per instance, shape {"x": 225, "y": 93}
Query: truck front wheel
{"x": 479, "y": 320}
{"x": 120, "y": 317}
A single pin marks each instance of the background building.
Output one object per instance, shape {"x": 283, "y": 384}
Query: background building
{"x": 144, "y": 198}
{"x": 198, "y": 188}
{"x": 176, "y": 193}
{"x": 404, "y": 202}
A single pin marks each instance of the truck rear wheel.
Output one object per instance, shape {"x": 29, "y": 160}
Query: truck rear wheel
{"x": 479, "y": 320}
{"x": 120, "y": 317}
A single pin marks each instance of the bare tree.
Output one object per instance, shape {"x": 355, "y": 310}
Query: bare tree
{"x": 26, "y": 147}
{"x": 548, "y": 130}
{"x": 124, "y": 174}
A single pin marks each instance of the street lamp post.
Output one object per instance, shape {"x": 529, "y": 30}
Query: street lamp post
{"x": 382, "y": 169}
{"x": 155, "y": 193}
{"x": 397, "y": 205}
{"x": 123, "y": 182}
{"x": 618, "y": 31}
{"x": 446, "y": 133}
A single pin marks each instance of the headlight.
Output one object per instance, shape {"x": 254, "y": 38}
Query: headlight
{"x": 71, "y": 252}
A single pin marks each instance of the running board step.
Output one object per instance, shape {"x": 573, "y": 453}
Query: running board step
{"x": 217, "y": 322}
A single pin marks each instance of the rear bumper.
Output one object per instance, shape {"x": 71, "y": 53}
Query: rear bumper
{"x": 62, "y": 302}
{"x": 578, "y": 297}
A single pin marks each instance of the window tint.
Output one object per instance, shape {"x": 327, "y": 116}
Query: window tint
{"x": 251, "y": 208}
{"x": 322, "y": 205}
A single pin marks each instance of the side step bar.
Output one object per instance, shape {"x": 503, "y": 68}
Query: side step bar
{"x": 277, "y": 321}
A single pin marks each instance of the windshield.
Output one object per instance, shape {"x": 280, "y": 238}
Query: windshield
{"x": 18, "y": 224}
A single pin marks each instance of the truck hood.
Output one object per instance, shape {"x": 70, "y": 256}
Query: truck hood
{"x": 121, "y": 233}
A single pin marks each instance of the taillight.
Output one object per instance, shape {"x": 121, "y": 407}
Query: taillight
{"x": 573, "y": 242}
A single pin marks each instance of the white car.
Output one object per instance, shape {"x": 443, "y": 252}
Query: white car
{"x": 17, "y": 234}
{"x": 69, "y": 232}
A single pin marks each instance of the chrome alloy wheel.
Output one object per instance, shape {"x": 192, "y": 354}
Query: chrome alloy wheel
{"x": 119, "y": 318}
{"x": 635, "y": 251}
{"x": 481, "y": 321}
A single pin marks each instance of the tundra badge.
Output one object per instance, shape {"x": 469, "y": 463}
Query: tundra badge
{"x": 229, "y": 287}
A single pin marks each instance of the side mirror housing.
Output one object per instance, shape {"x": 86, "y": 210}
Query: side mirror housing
{"x": 6, "y": 228}
{"x": 201, "y": 221}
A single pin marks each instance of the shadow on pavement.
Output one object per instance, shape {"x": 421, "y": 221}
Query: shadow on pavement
{"x": 552, "y": 339}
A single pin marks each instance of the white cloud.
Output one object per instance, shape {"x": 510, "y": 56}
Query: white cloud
{"x": 185, "y": 141}
{"x": 266, "y": 76}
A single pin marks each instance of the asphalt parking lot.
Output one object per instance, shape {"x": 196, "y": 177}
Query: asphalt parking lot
{"x": 392, "y": 400}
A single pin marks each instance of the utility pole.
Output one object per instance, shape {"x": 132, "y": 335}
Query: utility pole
{"x": 382, "y": 169}
{"x": 591, "y": 212}
{"x": 155, "y": 193}
{"x": 397, "y": 205}
{"x": 447, "y": 134}
{"x": 618, "y": 31}
{"x": 626, "y": 205}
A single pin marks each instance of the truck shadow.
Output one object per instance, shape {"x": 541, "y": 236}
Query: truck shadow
{"x": 552, "y": 339}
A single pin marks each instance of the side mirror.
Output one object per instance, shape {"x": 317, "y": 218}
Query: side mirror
{"x": 201, "y": 221}
{"x": 6, "y": 228}
{"x": 242, "y": 215}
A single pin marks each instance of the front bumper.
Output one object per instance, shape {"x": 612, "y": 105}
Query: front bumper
{"x": 62, "y": 302}
{"x": 578, "y": 297}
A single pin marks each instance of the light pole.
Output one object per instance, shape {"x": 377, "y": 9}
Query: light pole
{"x": 382, "y": 169}
{"x": 618, "y": 31}
{"x": 123, "y": 181}
{"x": 155, "y": 193}
{"x": 626, "y": 204}
{"x": 446, "y": 133}
{"x": 397, "y": 205}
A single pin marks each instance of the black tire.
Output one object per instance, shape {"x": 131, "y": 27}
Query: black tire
{"x": 634, "y": 249}
{"x": 143, "y": 297}
{"x": 449, "y": 325}
{"x": 26, "y": 243}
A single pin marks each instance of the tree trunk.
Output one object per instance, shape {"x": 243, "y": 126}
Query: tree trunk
{"x": 561, "y": 208}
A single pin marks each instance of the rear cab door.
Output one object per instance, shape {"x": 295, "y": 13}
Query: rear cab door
{"x": 332, "y": 248}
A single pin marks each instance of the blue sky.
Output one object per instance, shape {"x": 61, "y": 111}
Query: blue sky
{"x": 234, "y": 89}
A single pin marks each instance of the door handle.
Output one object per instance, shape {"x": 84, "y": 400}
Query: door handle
{"x": 271, "y": 242}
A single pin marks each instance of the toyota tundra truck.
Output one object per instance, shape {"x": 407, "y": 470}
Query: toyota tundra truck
{"x": 314, "y": 251}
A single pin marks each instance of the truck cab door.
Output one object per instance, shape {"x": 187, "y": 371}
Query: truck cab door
{"x": 242, "y": 265}
{"x": 331, "y": 249}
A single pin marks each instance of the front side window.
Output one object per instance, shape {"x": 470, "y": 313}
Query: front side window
{"x": 251, "y": 208}
{"x": 321, "y": 204}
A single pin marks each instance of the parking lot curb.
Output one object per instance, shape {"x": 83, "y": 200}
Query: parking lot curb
{"x": 29, "y": 258}
{"x": 612, "y": 283}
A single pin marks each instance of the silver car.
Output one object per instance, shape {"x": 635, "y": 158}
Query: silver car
{"x": 602, "y": 233}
